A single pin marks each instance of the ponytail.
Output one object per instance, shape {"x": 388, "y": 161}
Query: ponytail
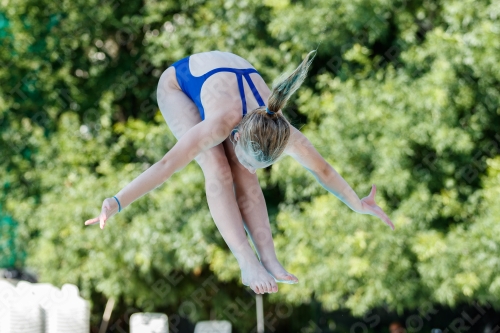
{"x": 264, "y": 132}
{"x": 285, "y": 88}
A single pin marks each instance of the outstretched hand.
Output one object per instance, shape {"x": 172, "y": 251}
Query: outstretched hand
{"x": 370, "y": 207}
{"x": 109, "y": 208}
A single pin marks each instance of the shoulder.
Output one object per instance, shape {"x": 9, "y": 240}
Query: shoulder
{"x": 297, "y": 143}
{"x": 302, "y": 150}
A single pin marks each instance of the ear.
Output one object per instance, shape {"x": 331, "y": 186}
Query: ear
{"x": 235, "y": 135}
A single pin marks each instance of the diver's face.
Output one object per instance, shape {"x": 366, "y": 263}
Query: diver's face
{"x": 247, "y": 160}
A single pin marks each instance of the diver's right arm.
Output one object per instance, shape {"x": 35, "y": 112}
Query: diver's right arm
{"x": 200, "y": 137}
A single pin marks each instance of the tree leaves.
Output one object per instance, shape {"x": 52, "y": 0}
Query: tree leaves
{"x": 402, "y": 95}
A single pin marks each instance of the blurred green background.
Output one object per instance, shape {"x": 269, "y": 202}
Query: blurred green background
{"x": 402, "y": 94}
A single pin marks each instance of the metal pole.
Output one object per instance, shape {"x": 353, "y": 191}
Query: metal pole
{"x": 260, "y": 313}
{"x": 107, "y": 314}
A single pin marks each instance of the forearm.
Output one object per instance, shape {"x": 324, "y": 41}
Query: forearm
{"x": 150, "y": 179}
{"x": 335, "y": 184}
{"x": 302, "y": 150}
{"x": 202, "y": 136}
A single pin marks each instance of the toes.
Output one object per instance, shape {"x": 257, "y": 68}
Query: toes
{"x": 266, "y": 286}
{"x": 260, "y": 288}
{"x": 273, "y": 287}
{"x": 291, "y": 277}
{"x": 257, "y": 289}
{"x": 263, "y": 287}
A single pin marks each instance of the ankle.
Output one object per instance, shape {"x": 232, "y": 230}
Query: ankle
{"x": 268, "y": 259}
{"x": 244, "y": 259}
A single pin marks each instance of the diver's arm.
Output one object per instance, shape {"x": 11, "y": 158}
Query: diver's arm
{"x": 200, "y": 137}
{"x": 302, "y": 150}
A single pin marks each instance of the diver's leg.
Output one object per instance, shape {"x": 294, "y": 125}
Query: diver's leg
{"x": 181, "y": 114}
{"x": 254, "y": 212}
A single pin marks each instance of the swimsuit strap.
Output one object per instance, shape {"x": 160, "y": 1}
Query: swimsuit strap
{"x": 254, "y": 90}
{"x": 237, "y": 71}
{"x": 242, "y": 93}
{"x": 191, "y": 85}
{"x": 240, "y": 73}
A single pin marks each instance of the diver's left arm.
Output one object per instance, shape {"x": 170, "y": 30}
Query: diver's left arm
{"x": 302, "y": 150}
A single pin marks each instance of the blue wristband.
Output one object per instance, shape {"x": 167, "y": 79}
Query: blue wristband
{"x": 119, "y": 206}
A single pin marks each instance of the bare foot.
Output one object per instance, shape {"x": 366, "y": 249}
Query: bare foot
{"x": 256, "y": 277}
{"x": 277, "y": 271}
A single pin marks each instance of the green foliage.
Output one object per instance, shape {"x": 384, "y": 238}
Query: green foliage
{"x": 402, "y": 95}
{"x": 11, "y": 253}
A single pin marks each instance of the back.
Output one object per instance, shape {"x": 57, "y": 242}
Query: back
{"x": 220, "y": 82}
{"x": 201, "y": 63}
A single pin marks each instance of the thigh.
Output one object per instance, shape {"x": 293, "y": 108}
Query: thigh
{"x": 177, "y": 109}
{"x": 181, "y": 114}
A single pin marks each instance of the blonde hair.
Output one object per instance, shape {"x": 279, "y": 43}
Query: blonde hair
{"x": 263, "y": 135}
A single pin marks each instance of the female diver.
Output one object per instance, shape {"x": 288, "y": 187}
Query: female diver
{"x": 205, "y": 99}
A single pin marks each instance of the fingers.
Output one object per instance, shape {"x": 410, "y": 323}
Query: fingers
{"x": 373, "y": 191}
{"x": 370, "y": 199}
{"x": 389, "y": 222}
{"x": 102, "y": 218}
{"x": 377, "y": 210}
{"x": 391, "y": 225}
{"x": 92, "y": 221}
{"x": 383, "y": 216}
{"x": 104, "y": 214}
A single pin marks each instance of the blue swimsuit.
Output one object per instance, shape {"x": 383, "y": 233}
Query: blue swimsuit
{"x": 191, "y": 85}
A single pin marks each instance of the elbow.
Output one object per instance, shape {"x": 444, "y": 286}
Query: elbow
{"x": 325, "y": 174}
{"x": 320, "y": 171}
{"x": 167, "y": 168}
{"x": 176, "y": 160}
